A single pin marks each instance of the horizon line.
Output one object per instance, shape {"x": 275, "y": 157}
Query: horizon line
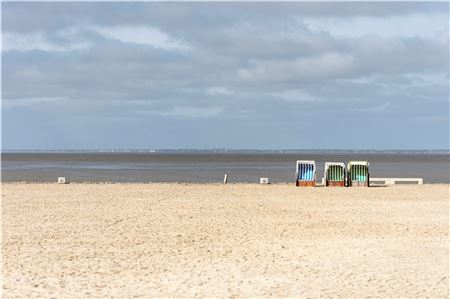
{"x": 111, "y": 150}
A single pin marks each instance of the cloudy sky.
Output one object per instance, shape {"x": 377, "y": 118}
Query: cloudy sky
{"x": 225, "y": 75}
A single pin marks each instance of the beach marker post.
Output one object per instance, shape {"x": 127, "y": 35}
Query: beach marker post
{"x": 334, "y": 174}
{"x": 358, "y": 174}
{"x": 225, "y": 178}
{"x": 305, "y": 173}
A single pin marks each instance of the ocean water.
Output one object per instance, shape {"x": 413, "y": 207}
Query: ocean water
{"x": 200, "y": 167}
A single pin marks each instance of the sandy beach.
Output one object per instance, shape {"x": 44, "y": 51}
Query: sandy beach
{"x": 212, "y": 240}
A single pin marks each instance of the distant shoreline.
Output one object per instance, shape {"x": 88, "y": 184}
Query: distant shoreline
{"x": 231, "y": 151}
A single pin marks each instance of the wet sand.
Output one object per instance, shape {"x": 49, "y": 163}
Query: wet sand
{"x": 208, "y": 167}
{"x": 177, "y": 240}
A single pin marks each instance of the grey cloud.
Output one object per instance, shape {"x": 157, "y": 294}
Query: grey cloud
{"x": 206, "y": 65}
{"x": 46, "y": 16}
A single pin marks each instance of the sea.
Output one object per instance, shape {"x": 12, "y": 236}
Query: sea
{"x": 210, "y": 166}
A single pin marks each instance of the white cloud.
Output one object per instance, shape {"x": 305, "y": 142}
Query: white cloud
{"x": 23, "y": 102}
{"x": 395, "y": 26}
{"x": 372, "y": 109}
{"x": 185, "y": 112}
{"x": 323, "y": 66}
{"x": 296, "y": 95}
{"x": 218, "y": 91}
{"x": 37, "y": 41}
{"x": 193, "y": 112}
{"x": 71, "y": 39}
{"x": 143, "y": 36}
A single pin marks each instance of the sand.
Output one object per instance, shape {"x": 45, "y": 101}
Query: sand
{"x": 176, "y": 240}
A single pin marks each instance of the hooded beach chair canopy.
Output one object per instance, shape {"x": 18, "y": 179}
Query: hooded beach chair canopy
{"x": 335, "y": 171}
{"x": 305, "y": 170}
{"x": 358, "y": 171}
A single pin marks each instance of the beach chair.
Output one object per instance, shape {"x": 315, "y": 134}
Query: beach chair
{"x": 358, "y": 174}
{"x": 305, "y": 173}
{"x": 334, "y": 174}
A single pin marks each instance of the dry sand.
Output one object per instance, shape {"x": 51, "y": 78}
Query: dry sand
{"x": 175, "y": 240}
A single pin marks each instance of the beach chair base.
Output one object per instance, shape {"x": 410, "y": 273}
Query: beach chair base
{"x": 359, "y": 184}
{"x": 335, "y": 184}
{"x": 305, "y": 183}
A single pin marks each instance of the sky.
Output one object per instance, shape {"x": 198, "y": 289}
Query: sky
{"x": 255, "y": 75}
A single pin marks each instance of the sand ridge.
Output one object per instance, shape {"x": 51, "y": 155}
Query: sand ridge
{"x": 212, "y": 240}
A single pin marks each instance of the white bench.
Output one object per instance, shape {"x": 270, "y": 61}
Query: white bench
{"x": 393, "y": 181}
